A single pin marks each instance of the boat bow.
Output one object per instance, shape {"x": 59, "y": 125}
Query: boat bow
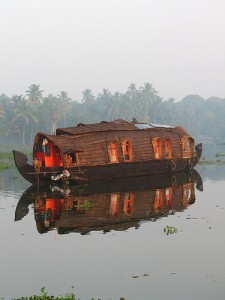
{"x": 198, "y": 153}
{"x": 25, "y": 169}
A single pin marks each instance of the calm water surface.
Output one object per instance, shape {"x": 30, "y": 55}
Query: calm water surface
{"x": 109, "y": 241}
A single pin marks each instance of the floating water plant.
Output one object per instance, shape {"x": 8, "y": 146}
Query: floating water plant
{"x": 170, "y": 230}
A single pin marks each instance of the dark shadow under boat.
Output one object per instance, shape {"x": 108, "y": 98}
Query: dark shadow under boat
{"x": 109, "y": 205}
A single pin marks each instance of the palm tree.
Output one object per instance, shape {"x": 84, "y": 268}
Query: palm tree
{"x": 132, "y": 92}
{"x": 53, "y": 110}
{"x": 113, "y": 111}
{"x": 63, "y": 96}
{"x": 149, "y": 101}
{"x": 4, "y": 99}
{"x": 88, "y": 96}
{"x": 34, "y": 94}
{"x": 1, "y": 112}
{"x": 17, "y": 99}
{"x": 9, "y": 129}
{"x": 23, "y": 118}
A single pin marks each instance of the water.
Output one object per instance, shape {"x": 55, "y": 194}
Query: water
{"x": 109, "y": 241}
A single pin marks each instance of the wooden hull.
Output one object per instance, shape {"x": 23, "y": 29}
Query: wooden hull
{"x": 109, "y": 171}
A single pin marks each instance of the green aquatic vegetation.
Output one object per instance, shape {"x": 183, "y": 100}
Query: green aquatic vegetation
{"x": 3, "y": 166}
{"x": 44, "y": 296}
{"x": 6, "y": 155}
{"x": 219, "y": 161}
{"x": 220, "y": 158}
{"x": 216, "y": 159}
{"x": 170, "y": 230}
{"x": 219, "y": 154}
{"x": 6, "y": 160}
{"x": 205, "y": 161}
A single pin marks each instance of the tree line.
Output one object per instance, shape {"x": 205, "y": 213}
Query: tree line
{"x": 22, "y": 116}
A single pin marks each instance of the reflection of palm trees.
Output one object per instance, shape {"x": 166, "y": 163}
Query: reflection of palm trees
{"x": 34, "y": 94}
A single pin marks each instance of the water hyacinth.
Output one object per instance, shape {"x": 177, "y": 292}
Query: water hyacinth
{"x": 170, "y": 230}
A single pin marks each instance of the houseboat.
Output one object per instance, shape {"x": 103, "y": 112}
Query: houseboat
{"x": 108, "y": 150}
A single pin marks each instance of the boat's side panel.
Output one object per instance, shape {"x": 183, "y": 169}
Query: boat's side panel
{"x": 130, "y": 169}
{"x": 108, "y": 171}
{"x": 95, "y": 147}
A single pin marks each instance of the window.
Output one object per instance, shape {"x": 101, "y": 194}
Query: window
{"x": 70, "y": 159}
{"x": 47, "y": 150}
{"x": 73, "y": 158}
{"x": 167, "y": 150}
{"x": 188, "y": 147}
{"x": 113, "y": 152}
{"x": 126, "y": 146}
{"x": 157, "y": 145}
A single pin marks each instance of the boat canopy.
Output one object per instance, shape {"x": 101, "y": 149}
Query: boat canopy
{"x": 117, "y": 125}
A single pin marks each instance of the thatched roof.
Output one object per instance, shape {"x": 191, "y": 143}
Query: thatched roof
{"x": 102, "y": 126}
{"x": 83, "y": 136}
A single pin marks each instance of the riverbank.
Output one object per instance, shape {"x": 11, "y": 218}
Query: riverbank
{"x": 6, "y": 160}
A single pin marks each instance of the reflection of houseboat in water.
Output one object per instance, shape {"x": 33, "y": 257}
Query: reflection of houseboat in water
{"x": 109, "y": 150}
{"x": 118, "y": 206}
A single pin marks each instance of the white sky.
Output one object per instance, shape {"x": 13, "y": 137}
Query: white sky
{"x": 176, "y": 45}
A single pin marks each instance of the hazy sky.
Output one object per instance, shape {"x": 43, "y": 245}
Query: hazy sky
{"x": 176, "y": 45}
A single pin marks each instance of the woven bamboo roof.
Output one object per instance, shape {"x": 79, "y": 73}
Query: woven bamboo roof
{"x": 83, "y": 136}
{"x": 102, "y": 126}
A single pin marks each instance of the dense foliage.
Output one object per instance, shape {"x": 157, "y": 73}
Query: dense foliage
{"x": 22, "y": 116}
